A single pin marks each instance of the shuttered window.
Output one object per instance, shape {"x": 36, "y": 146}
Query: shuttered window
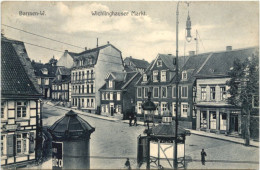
{"x": 10, "y": 145}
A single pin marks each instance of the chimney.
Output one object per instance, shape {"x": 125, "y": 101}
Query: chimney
{"x": 97, "y": 42}
{"x": 228, "y": 48}
{"x": 107, "y": 42}
{"x": 86, "y": 48}
{"x": 191, "y": 53}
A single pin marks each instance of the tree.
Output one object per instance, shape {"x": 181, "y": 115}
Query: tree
{"x": 244, "y": 86}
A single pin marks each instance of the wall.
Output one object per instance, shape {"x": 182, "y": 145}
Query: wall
{"x": 66, "y": 60}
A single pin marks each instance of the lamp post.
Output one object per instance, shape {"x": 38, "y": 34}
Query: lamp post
{"x": 188, "y": 38}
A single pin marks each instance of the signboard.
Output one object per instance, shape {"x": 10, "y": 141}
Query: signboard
{"x": 13, "y": 127}
{"x": 57, "y": 151}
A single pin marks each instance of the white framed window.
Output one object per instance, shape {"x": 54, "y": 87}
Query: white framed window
{"x": 39, "y": 81}
{"x": 163, "y": 76}
{"x": 212, "y": 93}
{"x": 223, "y": 93}
{"x": 163, "y": 107}
{"x": 110, "y": 83}
{"x": 159, "y": 63}
{"x": 203, "y": 93}
{"x": 184, "y": 109}
{"x": 118, "y": 96}
{"x": 146, "y": 92}
{"x": 92, "y": 103}
{"x": 107, "y": 96}
{"x": 21, "y": 109}
{"x": 139, "y": 92}
{"x": 22, "y": 143}
{"x": 139, "y": 107}
{"x": 46, "y": 81}
{"x": 184, "y": 91}
{"x": 164, "y": 92}
{"x": 173, "y": 109}
{"x": 111, "y": 95}
{"x": 145, "y": 77}
{"x": 173, "y": 92}
{"x": 103, "y": 96}
{"x": 156, "y": 92}
{"x": 184, "y": 75}
{"x": 155, "y": 76}
{"x": 88, "y": 103}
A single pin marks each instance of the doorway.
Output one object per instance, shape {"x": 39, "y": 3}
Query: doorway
{"x": 233, "y": 123}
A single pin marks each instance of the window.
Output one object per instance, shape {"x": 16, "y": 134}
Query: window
{"x": 76, "y": 76}
{"x": 92, "y": 74}
{"x": 163, "y": 107}
{"x": 87, "y": 88}
{"x": 83, "y": 76}
{"x": 107, "y": 96}
{"x": 92, "y": 88}
{"x": 118, "y": 96}
{"x": 184, "y": 110}
{"x": 3, "y": 115}
{"x": 203, "y": 93}
{"x": 82, "y": 101}
{"x": 173, "y": 109}
{"x": 156, "y": 92}
{"x": 111, "y": 95}
{"x": 21, "y": 110}
{"x": 223, "y": 93}
{"x": 103, "y": 96}
{"x": 184, "y": 75}
{"x": 139, "y": 107}
{"x": 39, "y": 81}
{"x": 212, "y": 93}
{"x": 155, "y": 76}
{"x": 146, "y": 92}
{"x": 21, "y": 143}
{"x": 164, "y": 92}
{"x": 110, "y": 84}
{"x": 46, "y": 81}
{"x": 45, "y": 71}
{"x": 139, "y": 92}
{"x": 145, "y": 78}
{"x": 2, "y": 144}
{"x": 79, "y": 89}
{"x": 184, "y": 92}
{"x": 88, "y": 104}
{"x": 173, "y": 92}
{"x": 79, "y": 75}
{"x": 213, "y": 118}
{"x": 73, "y": 76}
{"x": 87, "y": 74}
{"x": 159, "y": 63}
{"x": 163, "y": 76}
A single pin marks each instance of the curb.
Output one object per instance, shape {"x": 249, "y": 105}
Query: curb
{"x": 125, "y": 121}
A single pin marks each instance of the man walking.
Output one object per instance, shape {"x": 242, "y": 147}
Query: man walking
{"x": 203, "y": 154}
{"x": 127, "y": 164}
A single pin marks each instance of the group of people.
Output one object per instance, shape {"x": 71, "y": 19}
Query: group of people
{"x": 132, "y": 116}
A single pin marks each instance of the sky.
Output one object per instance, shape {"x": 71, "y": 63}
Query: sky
{"x": 219, "y": 24}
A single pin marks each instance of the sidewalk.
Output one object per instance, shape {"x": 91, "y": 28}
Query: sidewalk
{"x": 194, "y": 132}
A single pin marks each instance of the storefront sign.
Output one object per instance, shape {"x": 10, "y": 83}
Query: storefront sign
{"x": 57, "y": 150}
{"x": 11, "y": 127}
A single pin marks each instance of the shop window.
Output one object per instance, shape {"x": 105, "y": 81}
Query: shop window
{"x": 213, "y": 121}
{"x": 163, "y": 107}
{"x": 203, "y": 119}
{"x": 184, "y": 110}
{"x": 21, "y": 110}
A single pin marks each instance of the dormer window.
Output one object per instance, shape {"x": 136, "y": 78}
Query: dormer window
{"x": 45, "y": 71}
{"x": 159, "y": 63}
{"x": 110, "y": 83}
{"x": 184, "y": 75}
{"x": 163, "y": 76}
{"x": 145, "y": 77}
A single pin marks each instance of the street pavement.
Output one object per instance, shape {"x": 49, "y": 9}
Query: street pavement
{"x": 114, "y": 141}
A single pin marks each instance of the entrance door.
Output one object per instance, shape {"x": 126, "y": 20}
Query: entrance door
{"x": 233, "y": 123}
{"x": 111, "y": 108}
{"x": 46, "y": 93}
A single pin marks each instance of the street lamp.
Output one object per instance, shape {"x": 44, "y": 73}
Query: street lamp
{"x": 188, "y": 38}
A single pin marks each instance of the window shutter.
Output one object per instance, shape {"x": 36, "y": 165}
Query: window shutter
{"x": 32, "y": 143}
{"x": 10, "y": 145}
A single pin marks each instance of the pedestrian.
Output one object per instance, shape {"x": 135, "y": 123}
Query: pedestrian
{"x": 127, "y": 164}
{"x": 135, "y": 119}
{"x": 203, "y": 154}
{"x": 130, "y": 118}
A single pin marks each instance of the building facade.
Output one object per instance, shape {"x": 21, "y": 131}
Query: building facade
{"x": 61, "y": 86}
{"x": 88, "y": 75}
{"x": 118, "y": 93}
{"x": 45, "y": 73}
{"x": 213, "y": 112}
{"x": 134, "y": 64}
{"x": 20, "y": 107}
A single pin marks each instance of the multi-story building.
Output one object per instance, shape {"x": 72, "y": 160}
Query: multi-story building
{"x": 118, "y": 93}
{"x": 45, "y": 74}
{"x": 213, "y": 112}
{"x": 20, "y": 106}
{"x": 61, "y": 86}
{"x": 134, "y": 64}
{"x": 88, "y": 75}
{"x": 157, "y": 79}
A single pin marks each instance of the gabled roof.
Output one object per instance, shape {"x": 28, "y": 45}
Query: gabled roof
{"x": 38, "y": 67}
{"x": 14, "y": 78}
{"x": 139, "y": 63}
{"x": 122, "y": 80}
{"x": 219, "y": 63}
{"x": 63, "y": 71}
